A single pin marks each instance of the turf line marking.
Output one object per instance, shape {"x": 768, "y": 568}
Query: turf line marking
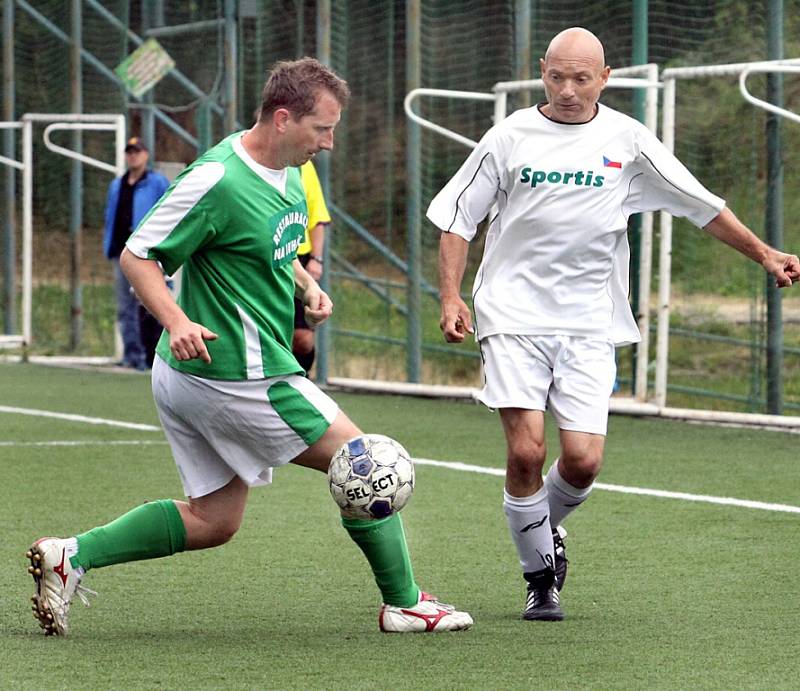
{"x": 684, "y": 496}
{"x": 79, "y": 442}
{"x": 705, "y": 498}
{"x": 80, "y": 418}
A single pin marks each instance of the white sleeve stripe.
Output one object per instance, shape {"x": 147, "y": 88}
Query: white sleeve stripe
{"x": 461, "y": 194}
{"x": 175, "y": 207}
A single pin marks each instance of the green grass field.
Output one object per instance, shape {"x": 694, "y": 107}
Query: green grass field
{"x": 662, "y": 593}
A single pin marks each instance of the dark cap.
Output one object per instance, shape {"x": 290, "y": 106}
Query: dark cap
{"x": 135, "y": 144}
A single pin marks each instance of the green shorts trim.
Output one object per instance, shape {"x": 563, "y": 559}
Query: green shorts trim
{"x": 297, "y": 412}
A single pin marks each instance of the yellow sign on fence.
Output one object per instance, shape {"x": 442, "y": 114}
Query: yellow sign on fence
{"x": 144, "y": 67}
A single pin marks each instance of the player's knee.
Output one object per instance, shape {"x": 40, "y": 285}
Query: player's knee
{"x": 581, "y": 469}
{"x": 215, "y": 531}
{"x": 525, "y": 461}
{"x": 222, "y": 533}
{"x": 527, "y": 452}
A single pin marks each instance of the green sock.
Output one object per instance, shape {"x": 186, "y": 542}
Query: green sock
{"x": 383, "y": 543}
{"x": 149, "y": 531}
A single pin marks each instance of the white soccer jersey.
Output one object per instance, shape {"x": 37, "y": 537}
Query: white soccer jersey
{"x": 556, "y": 255}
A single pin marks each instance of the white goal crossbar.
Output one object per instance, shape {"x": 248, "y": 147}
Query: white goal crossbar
{"x": 57, "y": 121}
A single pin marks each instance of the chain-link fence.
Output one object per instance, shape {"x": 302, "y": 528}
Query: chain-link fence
{"x": 462, "y": 45}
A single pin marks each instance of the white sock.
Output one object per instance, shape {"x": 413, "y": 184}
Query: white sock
{"x": 528, "y": 521}
{"x": 562, "y": 497}
{"x": 71, "y": 548}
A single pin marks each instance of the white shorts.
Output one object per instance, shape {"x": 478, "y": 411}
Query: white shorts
{"x": 571, "y": 376}
{"x": 218, "y": 429}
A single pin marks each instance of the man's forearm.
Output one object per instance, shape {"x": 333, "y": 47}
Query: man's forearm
{"x": 453, "y": 250}
{"x": 302, "y": 279}
{"x": 730, "y": 230}
{"x": 148, "y": 282}
{"x": 317, "y": 237}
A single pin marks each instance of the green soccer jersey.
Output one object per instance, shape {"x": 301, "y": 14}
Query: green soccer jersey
{"x": 235, "y": 227}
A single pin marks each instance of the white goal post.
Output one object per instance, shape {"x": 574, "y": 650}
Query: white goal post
{"x": 54, "y": 122}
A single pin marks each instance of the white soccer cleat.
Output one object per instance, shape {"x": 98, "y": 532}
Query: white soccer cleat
{"x": 427, "y": 615}
{"x": 56, "y": 584}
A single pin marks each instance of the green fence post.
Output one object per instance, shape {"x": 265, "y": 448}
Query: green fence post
{"x": 204, "y": 129}
{"x": 323, "y": 164}
{"x": 414, "y": 239}
{"x": 774, "y": 211}
{"x": 231, "y": 63}
{"x": 9, "y": 219}
{"x": 76, "y": 178}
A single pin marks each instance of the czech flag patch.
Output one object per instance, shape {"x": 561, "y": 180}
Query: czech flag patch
{"x": 608, "y": 163}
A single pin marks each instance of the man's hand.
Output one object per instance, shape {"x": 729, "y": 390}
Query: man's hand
{"x": 187, "y": 341}
{"x": 456, "y": 319}
{"x": 317, "y": 306}
{"x": 784, "y": 267}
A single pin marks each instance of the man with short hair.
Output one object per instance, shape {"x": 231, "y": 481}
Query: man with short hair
{"x": 130, "y": 197}
{"x": 232, "y": 399}
{"x": 550, "y": 296}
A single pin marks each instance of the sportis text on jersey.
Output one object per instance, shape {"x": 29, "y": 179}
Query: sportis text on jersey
{"x": 579, "y": 178}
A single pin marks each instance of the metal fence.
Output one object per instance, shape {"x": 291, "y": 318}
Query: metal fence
{"x": 60, "y": 57}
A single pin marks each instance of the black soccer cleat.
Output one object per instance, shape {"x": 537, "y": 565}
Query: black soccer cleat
{"x": 542, "y": 602}
{"x": 560, "y": 554}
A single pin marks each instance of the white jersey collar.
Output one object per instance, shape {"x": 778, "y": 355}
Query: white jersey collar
{"x": 276, "y": 178}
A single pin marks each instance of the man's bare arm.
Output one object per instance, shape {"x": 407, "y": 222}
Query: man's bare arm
{"x": 316, "y": 303}
{"x": 730, "y": 230}
{"x": 456, "y": 319}
{"x": 317, "y": 237}
{"x": 186, "y": 338}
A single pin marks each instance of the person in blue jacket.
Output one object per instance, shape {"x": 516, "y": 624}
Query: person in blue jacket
{"x": 130, "y": 197}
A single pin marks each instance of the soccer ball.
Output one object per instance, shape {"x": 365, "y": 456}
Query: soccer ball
{"x": 371, "y": 476}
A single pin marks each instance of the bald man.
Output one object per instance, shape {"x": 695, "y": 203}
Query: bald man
{"x": 551, "y": 293}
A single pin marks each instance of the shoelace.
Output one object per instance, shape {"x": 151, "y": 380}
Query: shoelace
{"x": 83, "y": 592}
{"x": 427, "y": 597}
{"x": 80, "y": 590}
{"x": 442, "y": 605}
